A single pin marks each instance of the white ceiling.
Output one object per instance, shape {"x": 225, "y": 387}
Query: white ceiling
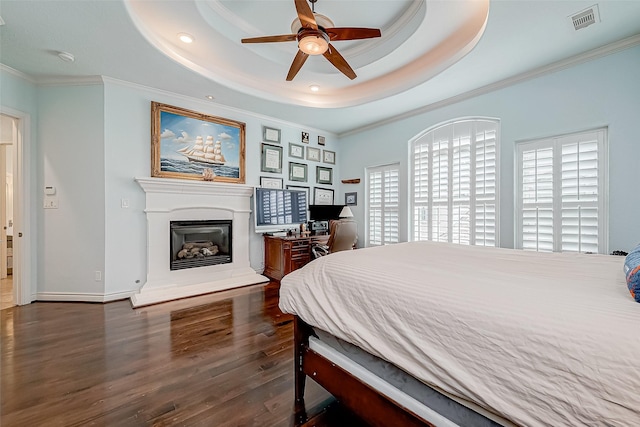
{"x": 429, "y": 51}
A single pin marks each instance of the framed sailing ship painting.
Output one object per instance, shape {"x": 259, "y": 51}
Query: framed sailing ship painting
{"x": 190, "y": 145}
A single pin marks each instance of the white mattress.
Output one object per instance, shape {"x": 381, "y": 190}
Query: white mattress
{"x": 539, "y": 339}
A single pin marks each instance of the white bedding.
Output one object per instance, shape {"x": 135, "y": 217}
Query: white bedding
{"x": 539, "y": 339}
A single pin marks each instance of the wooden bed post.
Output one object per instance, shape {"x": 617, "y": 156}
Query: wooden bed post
{"x": 301, "y": 332}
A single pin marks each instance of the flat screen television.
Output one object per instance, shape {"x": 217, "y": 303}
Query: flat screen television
{"x": 278, "y": 210}
{"x": 324, "y": 212}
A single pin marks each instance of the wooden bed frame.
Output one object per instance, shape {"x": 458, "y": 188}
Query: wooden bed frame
{"x": 360, "y": 398}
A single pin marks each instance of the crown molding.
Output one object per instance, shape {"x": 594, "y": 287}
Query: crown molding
{"x": 70, "y": 81}
{"x": 591, "y": 55}
{"x": 53, "y": 81}
{"x": 18, "y": 74}
{"x": 207, "y": 104}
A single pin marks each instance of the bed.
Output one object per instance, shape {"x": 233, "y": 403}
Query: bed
{"x": 509, "y": 336}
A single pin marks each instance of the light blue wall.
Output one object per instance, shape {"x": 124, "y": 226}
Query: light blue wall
{"x": 602, "y": 92}
{"x": 71, "y": 239}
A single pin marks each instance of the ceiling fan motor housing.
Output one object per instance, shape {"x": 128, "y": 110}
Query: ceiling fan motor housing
{"x": 322, "y": 21}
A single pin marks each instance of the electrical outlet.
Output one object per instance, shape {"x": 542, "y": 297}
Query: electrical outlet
{"x": 124, "y": 203}
{"x": 98, "y": 276}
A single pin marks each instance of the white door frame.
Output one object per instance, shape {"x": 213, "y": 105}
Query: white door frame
{"x": 23, "y": 232}
{"x": 3, "y": 203}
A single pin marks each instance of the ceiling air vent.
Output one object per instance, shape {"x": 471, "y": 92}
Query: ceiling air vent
{"x": 586, "y": 17}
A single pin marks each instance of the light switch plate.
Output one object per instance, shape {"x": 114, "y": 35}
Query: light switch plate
{"x": 51, "y": 203}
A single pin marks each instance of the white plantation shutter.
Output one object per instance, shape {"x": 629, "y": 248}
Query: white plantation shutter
{"x": 461, "y": 188}
{"x": 537, "y": 199}
{"x": 454, "y": 185}
{"x": 375, "y": 208}
{"x": 421, "y": 219}
{"x": 486, "y": 181}
{"x": 580, "y": 194}
{"x": 382, "y": 205}
{"x": 391, "y": 206}
{"x": 440, "y": 190}
{"x": 561, "y": 199}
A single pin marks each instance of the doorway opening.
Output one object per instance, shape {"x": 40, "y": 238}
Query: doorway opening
{"x": 8, "y": 144}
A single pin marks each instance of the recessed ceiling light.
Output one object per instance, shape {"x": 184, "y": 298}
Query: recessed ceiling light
{"x": 186, "y": 38}
{"x": 66, "y": 56}
{"x": 209, "y": 97}
{"x": 314, "y": 88}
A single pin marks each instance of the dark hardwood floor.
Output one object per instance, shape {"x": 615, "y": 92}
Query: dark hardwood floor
{"x": 223, "y": 359}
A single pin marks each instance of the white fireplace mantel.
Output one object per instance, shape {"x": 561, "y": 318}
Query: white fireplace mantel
{"x": 182, "y": 200}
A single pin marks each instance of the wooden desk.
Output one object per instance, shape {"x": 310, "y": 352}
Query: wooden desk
{"x": 282, "y": 255}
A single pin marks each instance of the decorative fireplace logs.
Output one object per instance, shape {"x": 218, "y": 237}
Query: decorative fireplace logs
{"x": 197, "y": 250}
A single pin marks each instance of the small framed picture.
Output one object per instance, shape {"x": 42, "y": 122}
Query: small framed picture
{"x": 324, "y": 175}
{"x": 305, "y": 137}
{"x": 313, "y": 154}
{"x": 329, "y": 156}
{"x": 301, "y": 188}
{"x": 296, "y": 151}
{"x": 271, "y": 158}
{"x": 297, "y": 172}
{"x": 322, "y": 196}
{"x": 320, "y": 140}
{"x": 270, "y": 134}
{"x": 351, "y": 199}
{"x": 268, "y": 182}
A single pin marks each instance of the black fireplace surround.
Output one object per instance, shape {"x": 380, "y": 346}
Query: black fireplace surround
{"x": 199, "y": 243}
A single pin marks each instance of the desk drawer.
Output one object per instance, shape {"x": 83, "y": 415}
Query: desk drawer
{"x": 300, "y": 252}
{"x": 298, "y": 263}
{"x": 300, "y": 243}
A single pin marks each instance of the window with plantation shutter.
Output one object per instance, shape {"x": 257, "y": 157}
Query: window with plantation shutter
{"x": 561, "y": 199}
{"x": 382, "y": 205}
{"x": 454, "y": 176}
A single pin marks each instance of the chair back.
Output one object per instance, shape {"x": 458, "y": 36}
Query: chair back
{"x": 344, "y": 234}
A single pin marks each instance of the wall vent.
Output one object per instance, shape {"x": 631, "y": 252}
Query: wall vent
{"x": 585, "y": 18}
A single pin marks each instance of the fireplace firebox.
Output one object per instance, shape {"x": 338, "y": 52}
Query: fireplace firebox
{"x": 199, "y": 243}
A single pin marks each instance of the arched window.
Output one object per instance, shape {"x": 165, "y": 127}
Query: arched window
{"x": 454, "y": 183}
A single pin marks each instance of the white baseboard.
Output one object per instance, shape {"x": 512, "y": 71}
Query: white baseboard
{"x": 81, "y": 297}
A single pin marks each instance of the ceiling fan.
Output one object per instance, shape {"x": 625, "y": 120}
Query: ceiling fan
{"x": 314, "y": 38}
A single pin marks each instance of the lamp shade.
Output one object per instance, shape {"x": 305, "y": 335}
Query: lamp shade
{"x": 346, "y": 212}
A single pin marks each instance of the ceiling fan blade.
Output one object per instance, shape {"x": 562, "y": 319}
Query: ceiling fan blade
{"x": 352, "y": 33}
{"x": 298, "y": 62}
{"x": 270, "y": 39}
{"x": 305, "y": 14}
{"x": 339, "y": 62}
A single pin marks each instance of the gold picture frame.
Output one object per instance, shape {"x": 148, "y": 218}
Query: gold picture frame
{"x": 189, "y": 145}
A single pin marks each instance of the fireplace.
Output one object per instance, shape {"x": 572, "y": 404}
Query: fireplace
{"x": 199, "y": 243}
{"x": 209, "y": 211}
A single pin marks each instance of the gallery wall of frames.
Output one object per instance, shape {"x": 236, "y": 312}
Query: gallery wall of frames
{"x": 300, "y": 163}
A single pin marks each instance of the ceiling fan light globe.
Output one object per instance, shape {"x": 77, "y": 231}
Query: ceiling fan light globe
{"x": 313, "y": 45}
